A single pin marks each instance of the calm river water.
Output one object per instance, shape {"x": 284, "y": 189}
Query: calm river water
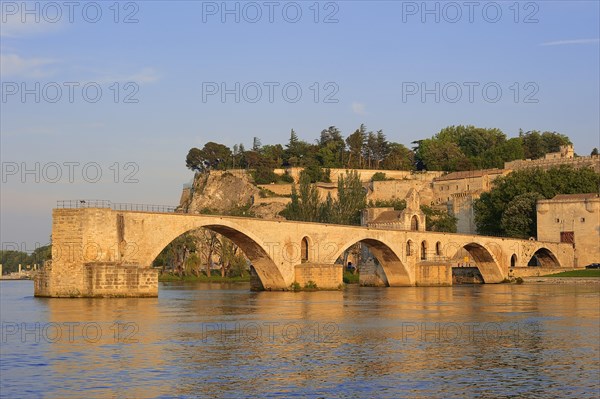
{"x": 222, "y": 341}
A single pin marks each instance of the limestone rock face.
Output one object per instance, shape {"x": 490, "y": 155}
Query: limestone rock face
{"x": 219, "y": 192}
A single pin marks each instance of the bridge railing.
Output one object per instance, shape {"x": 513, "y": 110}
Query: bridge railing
{"x": 117, "y": 206}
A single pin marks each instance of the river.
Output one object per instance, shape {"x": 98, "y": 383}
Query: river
{"x": 224, "y": 341}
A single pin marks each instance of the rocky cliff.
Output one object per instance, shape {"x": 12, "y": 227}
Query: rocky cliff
{"x": 222, "y": 192}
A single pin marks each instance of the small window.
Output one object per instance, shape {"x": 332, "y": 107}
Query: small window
{"x": 557, "y": 220}
{"x": 567, "y": 237}
{"x": 304, "y": 250}
{"x": 582, "y": 220}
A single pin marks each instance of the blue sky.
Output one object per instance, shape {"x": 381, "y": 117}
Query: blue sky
{"x": 356, "y": 68}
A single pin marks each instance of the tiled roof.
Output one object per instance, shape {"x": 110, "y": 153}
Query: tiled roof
{"x": 387, "y": 217}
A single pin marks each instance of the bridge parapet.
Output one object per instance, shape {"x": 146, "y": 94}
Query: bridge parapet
{"x": 116, "y": 206}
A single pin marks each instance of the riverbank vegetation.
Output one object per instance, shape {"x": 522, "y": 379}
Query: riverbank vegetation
{"x": 11, "y": 259}
{"x": 577, "y": 273}
{"x": 202, "y": 278}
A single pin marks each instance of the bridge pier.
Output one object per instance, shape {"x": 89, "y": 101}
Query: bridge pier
{"x": 324, "y": 276}
{"x": 100, "y": 279}
{"x": 434, "y": 273}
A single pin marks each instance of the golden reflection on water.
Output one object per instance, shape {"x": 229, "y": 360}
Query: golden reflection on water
{"x": 225, "y": 341}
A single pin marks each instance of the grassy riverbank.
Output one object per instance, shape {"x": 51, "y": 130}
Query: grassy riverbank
{"x": 203, "y": 278}
{"x": 350, "y": 278}
{"x": 577, "y": 273}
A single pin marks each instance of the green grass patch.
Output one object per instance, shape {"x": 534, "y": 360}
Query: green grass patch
{"x": 203, "y": 278}
{"x": 577, "y": 273}
{"x": 350, "y": 278}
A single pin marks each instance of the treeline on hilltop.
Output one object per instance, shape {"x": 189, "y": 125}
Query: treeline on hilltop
{"x": 11, "y": 259}
{"x": 454, "y": 148}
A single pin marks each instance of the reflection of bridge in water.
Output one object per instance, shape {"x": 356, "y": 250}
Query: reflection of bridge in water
{"x": 104, "y": 249}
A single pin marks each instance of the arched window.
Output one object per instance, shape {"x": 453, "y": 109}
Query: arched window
{"x": 414, "y": 223}
{"x": 304, "y": 249}
{"x": 438, "y": 249}
{"x": 513, "y": 260}
{"x": 409, "y": 249}
{"x": 423, "y": 250}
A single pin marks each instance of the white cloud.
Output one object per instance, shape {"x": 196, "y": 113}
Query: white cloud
{"x": 568, "y": 42}
{"x": 15, "y": 65}
{"x": 145, "y": 75}
{"x": 14, "y": 27}
{"x": 358, "y": 108}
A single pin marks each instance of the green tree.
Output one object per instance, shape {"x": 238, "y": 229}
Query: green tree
{"x": 552, "y": 141}
{"x": 211, "y": 156}
{"x": 256, "y": 144}
{"x": 195, "y": 160}
{"x": 520, "y": 219}
{"x": 307, "y": 206}
{"x": 399, "y": 158}
{"x": 536, "y": 144}
{"x": 438, "y": 220}
{"x": 351, "y": 199}
{"x": 356, "y": 142}
{"x": 441, "y": 155}
{"x": 379, "y": 176}
{"x": 10, "y": 260}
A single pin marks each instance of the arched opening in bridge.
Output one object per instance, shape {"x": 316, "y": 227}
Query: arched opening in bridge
{"x": 218, "y": 250}
{"x": 414, "y": 223}
{"x": 377, "y": 264}
{"x": 513, "y": 260}
{"x": 543, "y": 257}
{"x": 438, "y": 249}
{"x": 304, "y": 248}
{"x": 474, "y": 263}
{"x": 424, "y": 250}
{"x": 409, "y": 248}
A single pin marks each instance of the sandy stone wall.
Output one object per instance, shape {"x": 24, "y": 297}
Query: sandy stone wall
{"x": 433, "y": 274}
{"x": 398, "y": 189}
{"x": 111, "y": 280}
{"x": 324, "y": 275}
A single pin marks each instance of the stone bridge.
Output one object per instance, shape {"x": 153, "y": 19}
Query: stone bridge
{"x": 108, "y": 252}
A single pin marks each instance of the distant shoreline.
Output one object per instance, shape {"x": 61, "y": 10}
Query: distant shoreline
{"x": 561, "y": 280}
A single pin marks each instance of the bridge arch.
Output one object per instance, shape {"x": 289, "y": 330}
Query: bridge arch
{"x": 268, "y": 272}
{"x": 396, "y": 273}
{"x": 485, "y": 261}
{"x": 543, "y": 257}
